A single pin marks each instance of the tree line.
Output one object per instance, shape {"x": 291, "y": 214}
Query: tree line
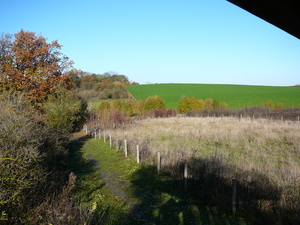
{"x": 39, "y": 110}
{"x": 91, "y": 86}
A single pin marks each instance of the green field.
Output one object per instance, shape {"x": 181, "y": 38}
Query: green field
{"x": 236, "y": 96}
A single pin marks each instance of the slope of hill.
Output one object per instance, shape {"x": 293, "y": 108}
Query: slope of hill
{"x": 236, "y": 96}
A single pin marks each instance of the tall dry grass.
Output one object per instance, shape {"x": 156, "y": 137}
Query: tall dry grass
{"x": 262, "y": 154}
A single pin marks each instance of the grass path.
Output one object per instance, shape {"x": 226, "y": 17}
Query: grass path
{"x": 129, "y": 193}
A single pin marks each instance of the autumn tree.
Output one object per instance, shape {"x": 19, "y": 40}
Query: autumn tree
{"x": 28, "y": 63}
{"x": 190, "y": 103}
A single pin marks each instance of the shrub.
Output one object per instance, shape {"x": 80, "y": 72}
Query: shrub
{"x": 159, "y": 113}
{"x": 201, "y": 103}
{"x": 215, "y": 104}
{"x": 208, "y": 104}
{"x": 20, "y": 138}
{"x": 117, "y": 105}
{"x": 269, "y": 104}
{"x": 131, "y": 107}
{"x": 33, "y": 160}
{"x": 153, "y": 102}
{"x": 104, "y": 105}
{"x": 189, "y": 103}
{"x": 223, "y": 106}
{"x": 89, "y": 94}
{"x": 64, "y": 111}
{"x": 109, "y": 118}
{"x": 279, "y": 106}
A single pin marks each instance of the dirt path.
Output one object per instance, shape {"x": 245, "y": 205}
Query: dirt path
{"x": 112, "y": 181}
{"x": 117, "y": 186}
{"x": 113, "y": 184}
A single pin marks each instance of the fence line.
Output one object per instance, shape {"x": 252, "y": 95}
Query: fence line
{"x": 91, "y": 132}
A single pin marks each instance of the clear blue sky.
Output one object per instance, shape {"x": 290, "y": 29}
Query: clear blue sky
{"x": 162, "y": 41}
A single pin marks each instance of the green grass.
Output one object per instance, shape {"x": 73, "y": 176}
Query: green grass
{"x": 236, "y": 96}
{"x": 156, "y": 199}
{"x": 95, "y": 104}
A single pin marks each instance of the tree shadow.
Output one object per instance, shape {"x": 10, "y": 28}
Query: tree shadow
{"x": 207, "y": 199}
{"x": 81, "y": 166}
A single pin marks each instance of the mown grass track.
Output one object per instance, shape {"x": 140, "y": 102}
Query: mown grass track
{"x": 130, "y": 193}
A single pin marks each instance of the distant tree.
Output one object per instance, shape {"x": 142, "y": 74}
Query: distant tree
{"x": 154, "y": 102}
{"x": 64, "y": 111}
{"x": 88, "y": 82}
{"x": 208, "y": 104}
{"x": 134, "y": 83}
{"x": 279, "y": 106}
{"x": 76, "y": 75}
{"x": 201, "y": 104}
{"x": 28, "y": 63}
{"x": 121, "y": 78}
{"x": 189, "y": 103}
{"x": 269, "y": 104}
{"x": 215, "y": 104}
{"x": 104, "y": 105}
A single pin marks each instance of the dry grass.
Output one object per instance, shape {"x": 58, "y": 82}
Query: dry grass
{"x": 260, "y": 145}
{"x": 262, "y": 154}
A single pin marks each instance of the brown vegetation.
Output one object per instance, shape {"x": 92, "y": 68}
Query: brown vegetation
{"x": 28, "y": 63}
{"x": 262, "y": 154}
{"x": 33, "y": 155}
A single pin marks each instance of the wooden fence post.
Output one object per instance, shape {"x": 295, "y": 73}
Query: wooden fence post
{"x": 104, "y": 138}
{"x": 234, "y": 196}
{"x": 137, "y": 154}
{"x": 125, "y": 148}
{"x": 185, "y": 174}
{"x": 99, "y": 133}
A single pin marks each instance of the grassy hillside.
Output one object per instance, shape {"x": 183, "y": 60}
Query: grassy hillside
{"x": 236, "y": 96}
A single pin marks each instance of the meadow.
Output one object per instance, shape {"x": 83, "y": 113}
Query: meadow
{"x": 236, "y": 96}
{"x": 263, "y": 155}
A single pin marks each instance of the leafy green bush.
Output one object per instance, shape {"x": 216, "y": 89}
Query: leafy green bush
{"x": 189, "y": 103}
{"x": 208, "y": 104}
{"x": 131, "y": 107}
{"x": 269, "y": 104}
{"x": 153, "y": 102}
{"x": 65, "y": 111}
{"x": 20, "y": 138}
{"x": 279, "y": 106}
{"x": 104, "y": 105}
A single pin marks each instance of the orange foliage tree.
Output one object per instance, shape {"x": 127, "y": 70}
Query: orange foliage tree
{"x": 28, "y": 63}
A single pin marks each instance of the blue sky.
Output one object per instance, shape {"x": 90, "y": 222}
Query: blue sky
{"x": 167, "y": 41}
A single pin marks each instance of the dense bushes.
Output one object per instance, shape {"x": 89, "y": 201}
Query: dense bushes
{"x": 252, "y": 112}
{"x": 33, "y": 159}
{"x": 21, "y": 173}
{"x": 100, "y": 86}
{"x": 64, "y": 111}
{"x": 153, "y": 102}
{"x": 119, "y": 111}
{"x": 131, "y": 107}
{"x": 191, "y": 103}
